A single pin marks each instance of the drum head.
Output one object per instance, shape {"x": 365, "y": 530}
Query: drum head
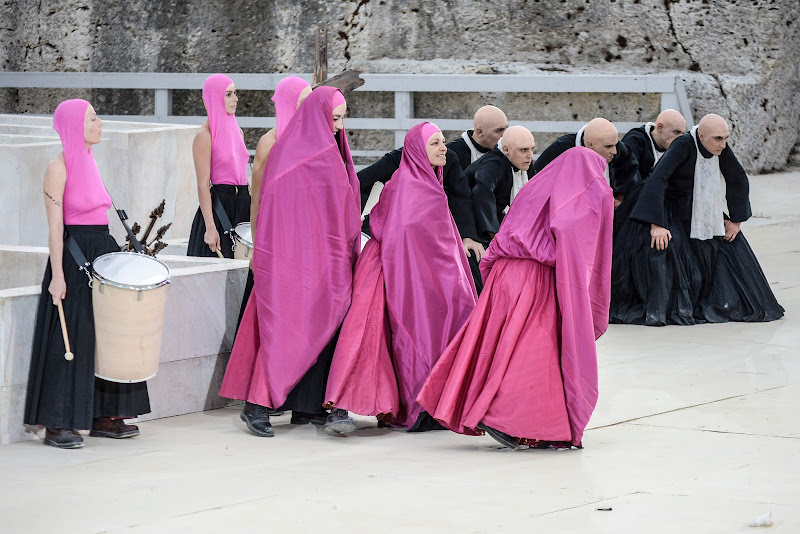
{"x": 364, "y": 239}
{"x": 130, "y": 270}
{"x": 245, "y": 233}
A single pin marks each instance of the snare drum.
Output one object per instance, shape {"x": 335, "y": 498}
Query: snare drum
{"x": 128, "y": 297}
{"x": 364, "y": 239}
{"x": 243, "y": 241}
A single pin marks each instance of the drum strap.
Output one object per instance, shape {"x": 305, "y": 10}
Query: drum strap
{"x": 227, "y": 227}
{"x": 80, "y": 259}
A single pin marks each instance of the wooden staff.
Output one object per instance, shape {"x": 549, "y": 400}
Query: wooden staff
{"x": 67, "y": 355}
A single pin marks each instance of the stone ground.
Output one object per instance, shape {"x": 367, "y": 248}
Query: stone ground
{"x": 696, "y": 430}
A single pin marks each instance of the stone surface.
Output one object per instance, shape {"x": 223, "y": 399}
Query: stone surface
{"x": 738, "y": 59}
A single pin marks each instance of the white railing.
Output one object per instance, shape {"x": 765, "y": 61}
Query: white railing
{"x": 673, "y": 94}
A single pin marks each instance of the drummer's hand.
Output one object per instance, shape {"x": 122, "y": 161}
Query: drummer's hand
{"x": 475, "y": 247}
{"x": 212, "y": 239}
{"x": 731, "y": 230}
{"x": 251, "y": 262}
{"x": 618, "y": 200}
{"x": 659, "y": 237}
{"x": 57, "y": 289}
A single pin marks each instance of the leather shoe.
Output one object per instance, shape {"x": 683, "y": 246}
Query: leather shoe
{"x": 304, "y": 418}
{"x": 500, "y": 437}
{"x": 339, "y": 423}
{"x": 106, "y": 427}
{"x": 256, "y": 417}
{"x": 62, "y": 438}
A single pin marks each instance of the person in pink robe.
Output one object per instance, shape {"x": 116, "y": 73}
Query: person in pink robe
{"x": 524, "y": 366}
{"x": 412, "y": 292}
{"x": 306, "y": 243}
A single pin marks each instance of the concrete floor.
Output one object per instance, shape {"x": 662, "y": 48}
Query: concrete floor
{"x": 696, "y": 429}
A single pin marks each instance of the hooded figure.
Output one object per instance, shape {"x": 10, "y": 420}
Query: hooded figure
{"x": 412, "y": 292}
{"x": 524, "y": 367}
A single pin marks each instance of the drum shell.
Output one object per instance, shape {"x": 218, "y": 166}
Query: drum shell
{"x": 242, "y": 248}
{"x": 128, "y": 326}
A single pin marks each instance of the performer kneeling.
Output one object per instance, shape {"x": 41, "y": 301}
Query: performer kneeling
{"x": 412, "y": 291}
{"x": 524, "y": 366}
{"x": 64, "y": 395}
{"x": 678, "y": 258}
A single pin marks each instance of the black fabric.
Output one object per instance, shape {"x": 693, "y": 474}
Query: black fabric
{"x": 474, "y": 268}
{"x": 66, "y": 394}
{"x": 638, "y": 142}
{"x": 462, "y": 151}
{"x": 309, "y": 394}
{"x": 672, "y": 181}
{"x": 459, "y": 195}
{"x": 623, "y": 171}
{"x": 248, "y": 288}
{"x": 491, "y": 178}
{"x": 236, "y": 203}
{"x": 691, "y": 282}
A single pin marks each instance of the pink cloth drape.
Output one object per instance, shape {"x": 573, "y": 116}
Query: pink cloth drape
{"x": 412, "y": 292}
{"x": 526, "y": 361}
{"x": 86, "y": 200}
{"x": 287, "y": 93}
{"x": 307, "y": 239}
{"x": 229, "y": 155}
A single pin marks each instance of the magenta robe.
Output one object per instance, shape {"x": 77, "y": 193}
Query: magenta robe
{"x": 526, "y": 361}
{"x": 412, "y": 292}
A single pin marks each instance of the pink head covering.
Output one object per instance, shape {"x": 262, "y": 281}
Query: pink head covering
{"x": 229, "y": 154}
{"x": 306, "y": 243}
{"x": 429, "y": 288}
{"x": 86, "y": 200}
{"x": 287, "y": 93}
{"x": 563, "y": 218}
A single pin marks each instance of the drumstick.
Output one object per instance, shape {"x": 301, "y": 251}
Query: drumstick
{"x": 219, "y": 253}
{"x": 67, "y": 355}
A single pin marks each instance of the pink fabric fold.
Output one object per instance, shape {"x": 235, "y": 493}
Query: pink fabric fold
{"x": 307, "y": 241}
{"x": 286, "y": 95}
{"x": 86, "y": 200}
{"x": 416, "y": 267}
{"x": 546, "y": 300}
{"x": 229, "y": 155}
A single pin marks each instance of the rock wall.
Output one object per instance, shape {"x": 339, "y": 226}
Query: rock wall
{"x": 739, "y": 58}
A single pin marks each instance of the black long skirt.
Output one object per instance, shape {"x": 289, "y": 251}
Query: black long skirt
{"x": 235, "y": 201}
{"x": 66, "y": 394}
{"x": 309, "y": 394}
{"x": 693, "y": 281}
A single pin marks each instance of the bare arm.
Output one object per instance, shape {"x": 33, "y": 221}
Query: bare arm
{"x": 55, "y": 179}
{"x": 201, "y": 151}
{"x": 263, "y": 149}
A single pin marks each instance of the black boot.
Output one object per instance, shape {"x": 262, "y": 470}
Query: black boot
{"x": 339, "y": 423}
{"x": 500, "y": 437}
{"x": 62, "y": 438}
{"x": 257, "y": 419}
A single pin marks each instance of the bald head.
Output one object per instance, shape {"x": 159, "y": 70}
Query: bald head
{"x": 518, "y": 145}
{"x": 602, "y": 137}
{"x": 489, "y": 124}
{"x": 670, "y": 124}
{"x": 713, "y": 132}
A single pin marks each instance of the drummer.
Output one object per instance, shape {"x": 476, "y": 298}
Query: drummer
{"x": 64, "y": 396}
{"x": 220, "y": 162}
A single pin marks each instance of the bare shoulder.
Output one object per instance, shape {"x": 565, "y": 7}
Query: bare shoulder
{"x": 56, "y": 170}
{"x": 267, "y": 140}
{"x": 203, "y": 138}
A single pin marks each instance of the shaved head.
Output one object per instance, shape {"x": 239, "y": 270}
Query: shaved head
{"x": 489, "y": 124}
{"x": 669, "y": 125}
{"x": 518, "y": 145}
{"x": 602, "y": 137}
{"x": 713, "y": 132}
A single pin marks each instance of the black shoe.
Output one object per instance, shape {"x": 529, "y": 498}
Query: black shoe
{"x": 425, "y": 423}
{"x": 276, "y": 413}
{"x": 256, "y": 417}
{"x": 304, "y": 418}
{"x": 105, "y": 427}
{"x": 339, "y": 423}
{"x": 500, "y": 437}
{"x": 62, "y": 438}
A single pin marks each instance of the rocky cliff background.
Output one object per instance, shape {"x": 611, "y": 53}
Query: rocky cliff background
{"x": 739, "y": 58}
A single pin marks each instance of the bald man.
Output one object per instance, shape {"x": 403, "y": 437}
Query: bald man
{"x": 649, "y": 142}
{"x": 679, "y": 259}
{"x": 602, "y": 137}
{"x": 489, "y": 124}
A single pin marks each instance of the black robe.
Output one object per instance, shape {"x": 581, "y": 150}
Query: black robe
{"x": 638, "y": 141}
{"x": 491, "y": 179}
{"x": 694, "y": 280}
{"x": 623, "y": 171}
{"x": 459, "y": 196}
{"x": 460, "y": 147}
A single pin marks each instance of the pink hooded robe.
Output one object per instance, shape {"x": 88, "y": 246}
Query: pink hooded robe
{"x": 245, "y": 377}
{"x": 307, "y": 238}
{"x": 412, "y": 292}
{"x": 229, "y": 155}
{"x": 525, "y": 363}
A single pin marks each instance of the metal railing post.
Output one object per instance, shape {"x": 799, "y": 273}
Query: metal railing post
{"x": 163, "y": 103}
{"x": 403, "y": 109}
